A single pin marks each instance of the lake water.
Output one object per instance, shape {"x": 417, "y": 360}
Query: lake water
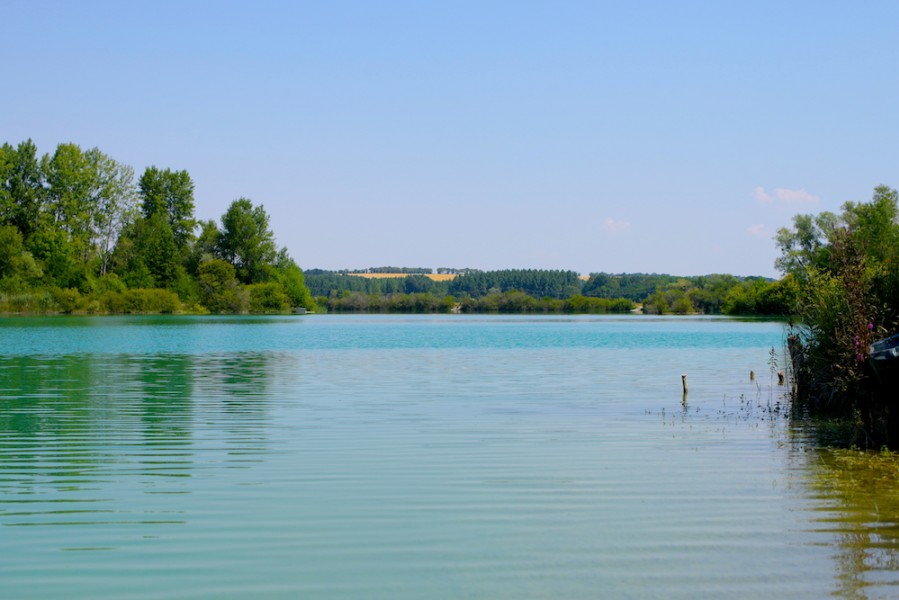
{"x": 422, "y": 457}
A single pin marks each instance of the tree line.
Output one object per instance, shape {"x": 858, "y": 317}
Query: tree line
{"x": 510, "y": 302}
{"x": 534, "y": 282}
{"x": 78, "y": 233}
{"x": 658, "y": 294}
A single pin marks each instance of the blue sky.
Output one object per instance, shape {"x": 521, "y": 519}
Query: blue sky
{"x": 669, "y": 137}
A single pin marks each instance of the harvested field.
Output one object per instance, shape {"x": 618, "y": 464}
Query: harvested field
{"x": 431, "y": 276}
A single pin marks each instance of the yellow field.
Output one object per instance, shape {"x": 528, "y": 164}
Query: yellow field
{"x": 431, "y": 276}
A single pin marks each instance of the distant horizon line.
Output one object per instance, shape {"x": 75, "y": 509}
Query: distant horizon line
{"x": 405, "y": 271}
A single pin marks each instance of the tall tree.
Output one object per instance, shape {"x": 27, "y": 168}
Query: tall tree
{"x": 116, "y": 203}
{"x": 89, "y": 197}
{"x": 22, "y": 187}
{"x": 10, "y": 249}
{"x": 170, "y": 193}
{"x": 8, "y": 157}
{"x": 146, "y": 253}
{"x": 247, "y": 242}
{"x": 72, "y": 195}
{"x": 205, "y": 247}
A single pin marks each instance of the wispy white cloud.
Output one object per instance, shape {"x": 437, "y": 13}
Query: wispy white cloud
{"x": 762, "y": 196}
{"x": 795, "y": 196}
{"x": 785, "y": 196}
{"x": 615, "y": 226}
{"x": 759, "y": 230}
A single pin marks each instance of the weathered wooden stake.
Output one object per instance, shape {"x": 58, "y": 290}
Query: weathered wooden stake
{"x": 752, "y": 376}
{"x": 780, "y": 378}
{"x": 683, "y": 379}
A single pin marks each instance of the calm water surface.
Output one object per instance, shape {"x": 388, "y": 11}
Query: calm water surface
{"x": 422, "y": 457}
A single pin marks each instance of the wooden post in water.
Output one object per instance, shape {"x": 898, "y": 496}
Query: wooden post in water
{"x": 683, "y": 380}
{"x": 752, "y": 376}
{"x": 780, "y": 378}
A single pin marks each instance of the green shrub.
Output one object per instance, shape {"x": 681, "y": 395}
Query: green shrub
{"x": 138, "y": 301}
{"x": 268, "y": 298}
{"x": 218, "y": 288}
{"x": 67, "y": 301}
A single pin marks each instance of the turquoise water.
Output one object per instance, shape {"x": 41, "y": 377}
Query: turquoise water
{"x": 413, "y": 457}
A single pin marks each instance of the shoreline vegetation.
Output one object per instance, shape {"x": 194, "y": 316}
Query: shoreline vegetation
{"x": 846, "y": 268}
{"x": 78, "y": 234}
{"x": 487, "y": 292}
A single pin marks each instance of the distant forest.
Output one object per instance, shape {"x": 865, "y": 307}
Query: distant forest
{"x": 533, "y": 290}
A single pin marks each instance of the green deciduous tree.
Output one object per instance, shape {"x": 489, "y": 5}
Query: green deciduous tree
{"x": 88, "y": 197}
{"x": 59, "y": 258}
{"x": 116, "y": 204}
{"x": 762, "y": 297}
{"x": 247, "y": 242}
{"x": 219, "y": 291}
{"x": 290, "y": 276}
{"x": 72, "y": 195}
{"x": 170, "y": 193}
{"x": 18, "y": 269}
{"x": 147, "y": 254}
{"x": 205, "y": 247}
{"x": 22, "y": 187}
{"x": 11, "y": 249}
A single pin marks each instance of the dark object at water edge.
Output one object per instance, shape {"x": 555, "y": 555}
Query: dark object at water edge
{"x": 884, "y": 359}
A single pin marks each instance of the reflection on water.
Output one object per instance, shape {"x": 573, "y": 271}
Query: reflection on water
{"x": 434, "y": 457}
{"x": 77, "y": 433}
{"x": 859, "y": 503}
{"x": 855, "y": 494}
